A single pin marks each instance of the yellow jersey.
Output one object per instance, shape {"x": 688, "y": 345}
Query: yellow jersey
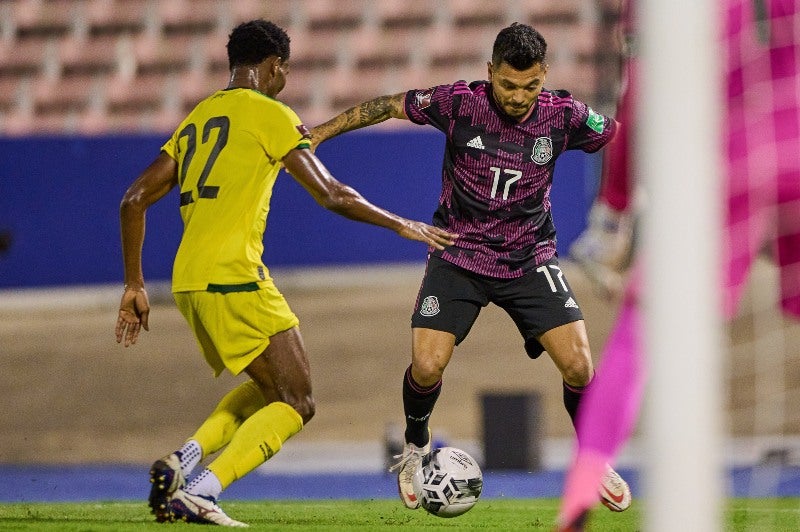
{"x": 229, "y": 151}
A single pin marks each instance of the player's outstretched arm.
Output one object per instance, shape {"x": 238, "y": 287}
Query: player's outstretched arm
{"x": 362, "y": 115}
{"x": 335, "y": 196}
{"x": 152, "y": 185}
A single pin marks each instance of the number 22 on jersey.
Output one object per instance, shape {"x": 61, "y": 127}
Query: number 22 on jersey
{"x": 201, "y": 188}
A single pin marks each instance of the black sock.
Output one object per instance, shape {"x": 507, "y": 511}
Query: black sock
{"x": 418, "y": 404}
{"x": 572, "y": 399}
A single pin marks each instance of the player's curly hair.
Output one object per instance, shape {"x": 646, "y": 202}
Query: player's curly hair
{"x": 520, "y": 46}
{"x": 251, "y": 42}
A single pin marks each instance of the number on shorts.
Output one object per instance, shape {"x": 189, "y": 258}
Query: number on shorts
{"x": 546, "y": 271}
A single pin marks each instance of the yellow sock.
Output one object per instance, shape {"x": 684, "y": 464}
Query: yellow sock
{"x": 237, "y": 405}
{"x": 257, "y": 440}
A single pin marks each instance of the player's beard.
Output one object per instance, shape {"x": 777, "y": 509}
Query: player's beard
{"x": 513, "y": 111}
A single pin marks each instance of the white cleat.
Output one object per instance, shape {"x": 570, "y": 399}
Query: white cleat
{"x": 408, "y": 463}
{"x": 614, "y": 491}
{"x": 200, "y": 509}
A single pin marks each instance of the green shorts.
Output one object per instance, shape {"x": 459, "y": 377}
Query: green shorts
{"x": 234, "y": 327}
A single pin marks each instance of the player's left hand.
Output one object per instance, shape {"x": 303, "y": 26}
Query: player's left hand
{"x": 134, "y": 309}
{"x": 433, "y": 236}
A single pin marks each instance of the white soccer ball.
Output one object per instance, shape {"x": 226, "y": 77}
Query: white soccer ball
{"x": 448, "y": 483}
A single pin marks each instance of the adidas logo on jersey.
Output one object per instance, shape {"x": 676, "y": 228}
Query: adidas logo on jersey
{"x": 570, "y": 303}
{"x": 476, "y": 143}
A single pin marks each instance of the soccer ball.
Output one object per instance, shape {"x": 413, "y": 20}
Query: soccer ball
{"x": 448, "y": 483}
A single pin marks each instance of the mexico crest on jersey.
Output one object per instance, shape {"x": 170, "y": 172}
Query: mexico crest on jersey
{"x": 542, "y": 150}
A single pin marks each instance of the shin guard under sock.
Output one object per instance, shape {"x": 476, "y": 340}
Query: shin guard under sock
{"x": 418, "y": 403}
{"x": 572, "y": 399}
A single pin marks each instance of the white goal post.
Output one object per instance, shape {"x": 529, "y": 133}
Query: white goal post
{"x": 678, "y": 163}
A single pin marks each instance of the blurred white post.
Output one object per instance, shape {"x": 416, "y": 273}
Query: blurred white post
{"x": 678, "y": 161}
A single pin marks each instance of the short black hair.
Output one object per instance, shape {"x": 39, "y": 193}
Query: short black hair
{"x": 251, "y": 42}
{"x": 520, "y": 46}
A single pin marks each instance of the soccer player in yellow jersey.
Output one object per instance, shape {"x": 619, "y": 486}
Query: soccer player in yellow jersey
{"x": 225, "y": 157}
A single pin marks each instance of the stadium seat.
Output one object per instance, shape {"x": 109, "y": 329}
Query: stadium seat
{"x": 80, "y": 56}
{"x": 11, "y": 88}
{"x": 117, "y": 17}
{"x": 303, "y": 88}
{"x": 449, "y": 73}
{"x": 347, "y": 88}
{"x": 43, "y": 19}
{"x": 92, "y": 122}
{"x": 562, "y": 12}
{"x": 195, "y": 85}
{"x": 469, "y": 47}
{"x": 468, "y": 13}
{"x": 317, "y": 50}
{"x": 137, "y": 121}
{"x": 579, "y": 77}
{"x": 188, "y": 16}
{"x": 73, "y": 93}
{"x": 378, "y": 49}
{"x": 279, "y": 11}
{"x": 405, "y": 13}
{"x": 61, "y": 122}
{"x": 143, "y": 93}
{"x": 168, "y": 53}
{"x": 27, "y": 56}
{"x": 404, "y": 78}
{"x": 327, "y": 15}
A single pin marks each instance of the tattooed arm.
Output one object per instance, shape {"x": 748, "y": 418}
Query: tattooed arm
{"x": 365, "y": 114}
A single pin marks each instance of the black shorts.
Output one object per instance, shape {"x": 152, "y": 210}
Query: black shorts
{"x": 451, "y": 298}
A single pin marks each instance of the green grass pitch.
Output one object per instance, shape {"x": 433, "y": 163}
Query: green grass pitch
{"x": 741, "y": 515}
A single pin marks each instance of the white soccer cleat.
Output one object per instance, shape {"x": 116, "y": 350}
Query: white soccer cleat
{"x": 409, "y": 462}
{"x": 604, "y": 248}
{"x": 200, "y": 509}
{"x": 166, "y": 478}
{"x": 614, "y": 491}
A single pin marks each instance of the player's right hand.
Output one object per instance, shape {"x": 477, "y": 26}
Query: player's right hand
{"x": 433, "y": 236}
{"x": 134, "y": 309}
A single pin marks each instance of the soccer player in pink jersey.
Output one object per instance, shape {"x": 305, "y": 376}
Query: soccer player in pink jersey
{"x": 503, "y": 137}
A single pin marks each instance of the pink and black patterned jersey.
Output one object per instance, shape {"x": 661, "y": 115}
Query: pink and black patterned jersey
{"x": 497, "y": 172}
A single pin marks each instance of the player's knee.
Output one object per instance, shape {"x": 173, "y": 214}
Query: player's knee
{"x": 427, "y": 371}
{"x": 578, "y": 372}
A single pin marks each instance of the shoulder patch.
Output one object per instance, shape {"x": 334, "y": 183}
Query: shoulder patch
{"x": 595, "y": 121}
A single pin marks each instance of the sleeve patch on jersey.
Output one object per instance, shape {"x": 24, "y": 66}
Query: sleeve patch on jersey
{"x": 422, "y": 99}
{"x": 595, "y": 121}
